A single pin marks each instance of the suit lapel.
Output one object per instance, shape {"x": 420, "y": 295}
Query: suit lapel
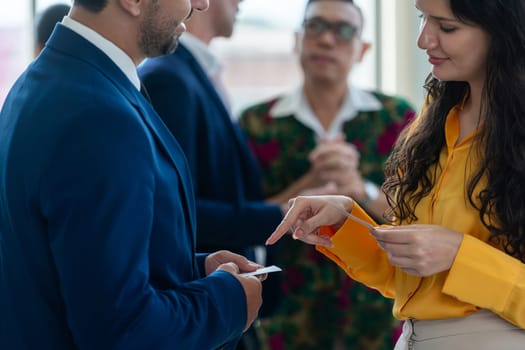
{"x": 169, "y": 146}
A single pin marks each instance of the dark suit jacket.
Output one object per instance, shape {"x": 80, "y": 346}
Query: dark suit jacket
{"x": 231, "y": 212}
{"x": 97, "y": 222}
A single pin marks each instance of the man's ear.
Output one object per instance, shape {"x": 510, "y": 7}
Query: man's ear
{"x": 298, "y": 42}
{"x": 133, "y": 7}
{"x": 365, "y": 46}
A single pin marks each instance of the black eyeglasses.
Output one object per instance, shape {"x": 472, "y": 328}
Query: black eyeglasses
{"x": 343, "y": 32}
{"x": 189, "y": 15}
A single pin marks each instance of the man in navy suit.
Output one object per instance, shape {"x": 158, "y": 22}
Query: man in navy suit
{"x": 186, "y": 92}
{"x": 97, "y": 221}
{"x": 231, "y": 212}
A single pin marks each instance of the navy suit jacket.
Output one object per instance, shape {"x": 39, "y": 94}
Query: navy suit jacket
{"x": 97, "y": 222}
{"x": 231, "y": 213}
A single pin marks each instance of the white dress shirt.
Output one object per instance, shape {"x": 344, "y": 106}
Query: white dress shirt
{"x": 295, "y": 103}
{"x": 117, "y": 55}
{"x": 210, "y": 63}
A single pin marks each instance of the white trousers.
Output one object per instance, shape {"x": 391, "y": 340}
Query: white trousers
{"x": 483, "y": 330}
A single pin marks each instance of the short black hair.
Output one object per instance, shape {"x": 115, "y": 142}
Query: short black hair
{"x": 46, "y": 21}
{"x": 310, "y": 1}
{"x": 347, "y": 1}
{"x": 92, "y": 5}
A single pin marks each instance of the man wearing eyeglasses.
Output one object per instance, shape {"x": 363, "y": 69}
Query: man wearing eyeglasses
{"x": 328, "y": 135}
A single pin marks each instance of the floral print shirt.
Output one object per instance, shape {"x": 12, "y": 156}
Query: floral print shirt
{"x": 320, "y": 303}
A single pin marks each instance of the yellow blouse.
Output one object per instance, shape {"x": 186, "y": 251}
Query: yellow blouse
{"x": 482, "y": 276}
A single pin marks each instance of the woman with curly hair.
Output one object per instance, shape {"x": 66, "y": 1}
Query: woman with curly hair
{"x": 454, "y": 257}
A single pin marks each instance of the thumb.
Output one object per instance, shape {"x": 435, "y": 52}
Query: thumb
{"x": 312, "y": 224}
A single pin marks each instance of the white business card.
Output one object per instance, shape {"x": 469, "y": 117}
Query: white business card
{"x": 262, "y": 270}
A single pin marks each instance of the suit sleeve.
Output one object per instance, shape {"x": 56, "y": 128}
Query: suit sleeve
{"x": 240, "y": 223}
{"x": 100, "y": 212}
{"x": 247, "y": 225}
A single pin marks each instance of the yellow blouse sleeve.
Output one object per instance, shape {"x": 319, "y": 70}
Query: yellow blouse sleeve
{"x": 358, "y": 254}
{"x": 485, "y": 276}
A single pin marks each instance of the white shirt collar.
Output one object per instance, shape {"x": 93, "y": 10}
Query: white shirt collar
{"x": 296, "y": 104}
{"x": 119, "y": 57}
{"x": 202, "y": 53}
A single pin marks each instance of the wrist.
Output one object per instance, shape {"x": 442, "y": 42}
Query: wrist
{"x": 371, "y": 193}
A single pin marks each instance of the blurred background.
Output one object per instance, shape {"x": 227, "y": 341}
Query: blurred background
{"x": 259, "y": 59}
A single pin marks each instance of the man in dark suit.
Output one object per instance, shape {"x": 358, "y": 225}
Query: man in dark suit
{"x": 186, "y": 91}
{"x": 231, "y": 213}
{"x": 97, "y": 221}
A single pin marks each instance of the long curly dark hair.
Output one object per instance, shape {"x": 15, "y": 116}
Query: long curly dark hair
{"x": 501, "y": 136}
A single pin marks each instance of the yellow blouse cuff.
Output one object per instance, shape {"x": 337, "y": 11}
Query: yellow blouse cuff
{"x": 352, "y": 242}
{"x": 482, "y": 275}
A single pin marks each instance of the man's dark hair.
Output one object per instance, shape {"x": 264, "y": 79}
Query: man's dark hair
{"x": 92, "y": 5}
{"x": 347, "y": 1}
{"x": 310, "y": 1}
{"x": 46, "y": 21}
